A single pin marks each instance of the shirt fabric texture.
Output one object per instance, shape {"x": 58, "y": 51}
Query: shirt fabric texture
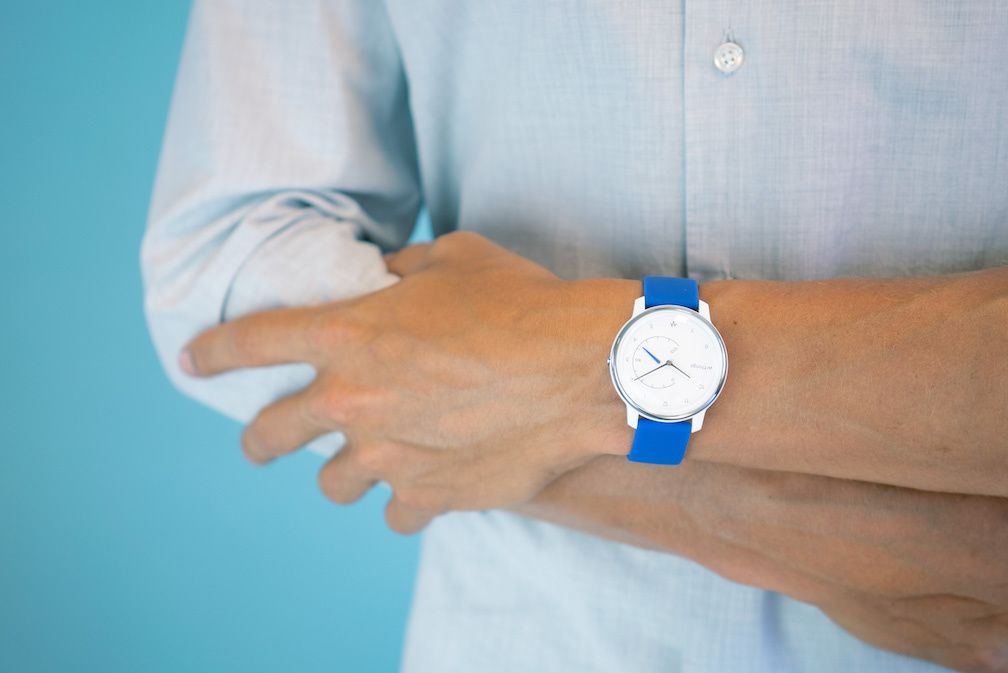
{"x": 598, "y": 139}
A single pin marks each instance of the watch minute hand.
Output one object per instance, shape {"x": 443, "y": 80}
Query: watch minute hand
{"x": 654, "y": 370}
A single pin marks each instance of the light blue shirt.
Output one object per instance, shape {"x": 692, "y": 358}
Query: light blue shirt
{"x": 597, "y": 138}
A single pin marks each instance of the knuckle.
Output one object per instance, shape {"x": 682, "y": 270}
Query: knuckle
{"x": 336, "y": 406}
{"x": 420, "y": 498}
{"x": 375, "y": 457}
{"x": 371, "y": 405}
{"x": 342, "y": 405}
{"x": 315, "y": 412}
{"x": 328, "y": 331}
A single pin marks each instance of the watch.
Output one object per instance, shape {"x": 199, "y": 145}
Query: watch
{"x": 668, "y": 363}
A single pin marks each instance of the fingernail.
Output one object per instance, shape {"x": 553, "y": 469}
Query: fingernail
{"x": 185, "y": 362}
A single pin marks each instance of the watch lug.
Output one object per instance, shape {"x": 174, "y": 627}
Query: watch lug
{"x": 698, "y": 421}
{"x": 638, "y": 306}
{"x": 705, "y": 312}
{"x": 631, "y": 417}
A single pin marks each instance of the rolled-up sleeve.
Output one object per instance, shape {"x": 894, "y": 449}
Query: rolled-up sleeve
{"x": 288, "y": 167}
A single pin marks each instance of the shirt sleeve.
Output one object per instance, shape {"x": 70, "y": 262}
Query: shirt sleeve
{"x": 288, "y": 166}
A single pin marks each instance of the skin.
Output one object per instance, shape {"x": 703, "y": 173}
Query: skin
{"x": 916, "y": 572}
{"x": 856, "y": 458}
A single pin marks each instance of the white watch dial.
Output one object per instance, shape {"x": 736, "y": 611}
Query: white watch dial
{"x": 668, "y": 362}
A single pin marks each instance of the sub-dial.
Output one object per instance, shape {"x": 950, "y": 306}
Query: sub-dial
{"x": 652, "y": 362}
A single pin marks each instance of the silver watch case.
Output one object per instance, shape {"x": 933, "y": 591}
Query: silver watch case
{"x": 633, "y": 411}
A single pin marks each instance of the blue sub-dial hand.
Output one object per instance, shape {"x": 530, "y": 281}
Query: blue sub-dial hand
{"x": 652, "y": 356}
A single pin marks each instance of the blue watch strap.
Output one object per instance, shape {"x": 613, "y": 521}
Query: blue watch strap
{"x": 654, "y": 441}
{"x": 677, "y": 291}
{"x": 660, "y": 443}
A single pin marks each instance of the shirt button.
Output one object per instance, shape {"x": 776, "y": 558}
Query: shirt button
{"x": 728, "y": 57}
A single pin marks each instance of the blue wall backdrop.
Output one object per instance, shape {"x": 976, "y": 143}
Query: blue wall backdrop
{"x": 133, "y": 535}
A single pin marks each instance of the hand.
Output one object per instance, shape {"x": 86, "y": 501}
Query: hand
{"x": 916, "y": 572}
{"x": 470, "y": 384}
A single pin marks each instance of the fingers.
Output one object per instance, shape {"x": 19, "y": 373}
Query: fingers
{"x": 349, "y": 474}
{"x": 260, "y": 339}
{"x": 285, "y": 426}
{"x": 409, "y": 260}
{"x": 405, "y": 519}
{"x": 352, "y": 472}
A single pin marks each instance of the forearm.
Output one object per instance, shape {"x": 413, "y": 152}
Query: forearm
{"x": 894, "y": 381}
{"x": 791, "y": 532}
{"x": 916, "y": 572}
{"x": 837, "y": 378}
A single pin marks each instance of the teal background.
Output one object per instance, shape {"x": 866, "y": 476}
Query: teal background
{"x": 133, "y": 535}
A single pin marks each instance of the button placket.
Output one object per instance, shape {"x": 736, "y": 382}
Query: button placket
{"x": 715, "y": 122}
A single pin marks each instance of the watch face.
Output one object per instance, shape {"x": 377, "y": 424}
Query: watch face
{"x": 669, "y": 363}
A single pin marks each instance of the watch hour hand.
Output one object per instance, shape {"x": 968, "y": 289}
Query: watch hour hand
{"x": 679, "y": 370}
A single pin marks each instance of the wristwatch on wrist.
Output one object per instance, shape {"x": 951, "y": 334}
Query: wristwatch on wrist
{"x": 668, "y": 364}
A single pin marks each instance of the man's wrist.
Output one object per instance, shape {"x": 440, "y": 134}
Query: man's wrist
{"x": 596, "y": 308}
{"x": 751, "y": 406}
{"x": 610, "y": 304}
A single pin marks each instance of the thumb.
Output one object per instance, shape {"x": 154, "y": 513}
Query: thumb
{"x": 409, "y": 260}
